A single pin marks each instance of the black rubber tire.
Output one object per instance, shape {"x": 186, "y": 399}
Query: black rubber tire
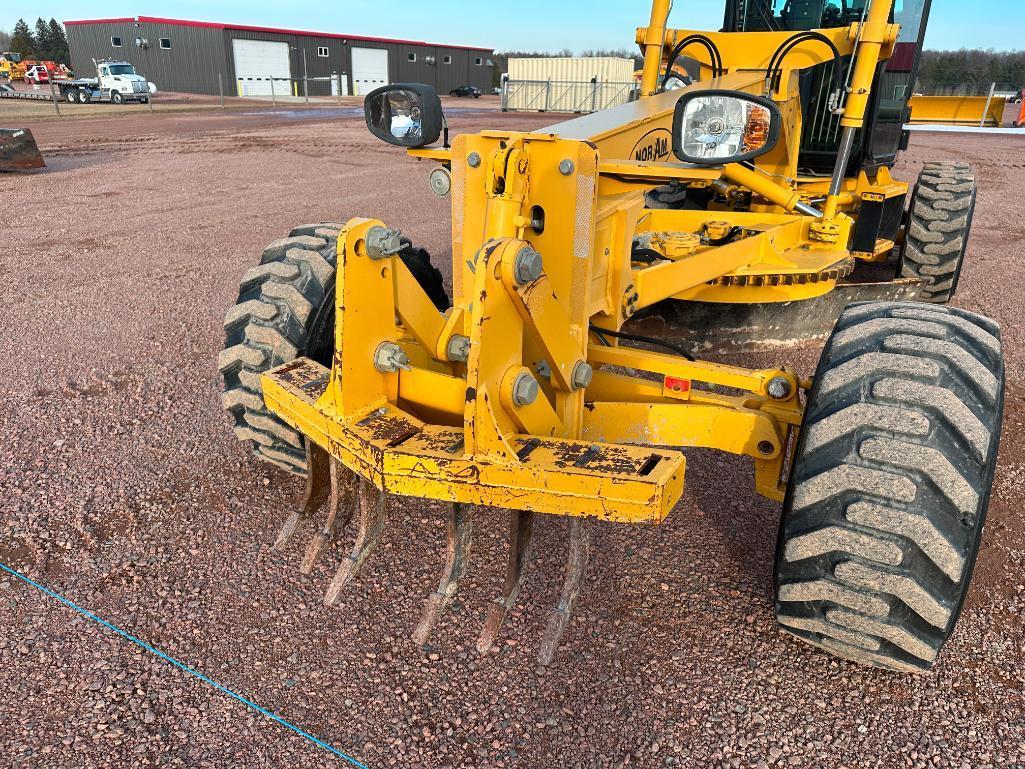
{"x": 891, "y": 480}
{"x": 84, "y": 97}
{"x": 69, "y": 95}
{"x": 116, "y": 97}
{"x": 938, "y": 227}
{"x": 286, "y": 309}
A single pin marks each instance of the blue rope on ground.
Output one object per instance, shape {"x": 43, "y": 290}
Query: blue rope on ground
{"x": 223, "y": 689}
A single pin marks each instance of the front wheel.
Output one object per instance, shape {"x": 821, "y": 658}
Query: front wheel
{"x": 938, "y": 227}
{"x": 116, "y": 97}
{"x": 891, "y": 480}
{"x": 286, "y": 309}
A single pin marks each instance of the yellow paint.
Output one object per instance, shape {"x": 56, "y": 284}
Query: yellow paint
{"x": 575, "y": 194}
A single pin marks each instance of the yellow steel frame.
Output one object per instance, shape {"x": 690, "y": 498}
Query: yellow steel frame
{"x": 460, "y": 430}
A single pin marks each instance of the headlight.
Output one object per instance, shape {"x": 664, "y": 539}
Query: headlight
{"x": 717, "y": 127}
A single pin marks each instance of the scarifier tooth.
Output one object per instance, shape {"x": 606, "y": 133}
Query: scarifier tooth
{"x": 339, "y": 513}
{"x": 314, "y": 496}
{"x": 521, "y": 536}
{"x": 459, "y": 527}
{"x": 373, "y": 508}
{"x": 576, "y": 568}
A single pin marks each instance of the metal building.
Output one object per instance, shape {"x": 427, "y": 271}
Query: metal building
{"x": 188, "y": 56}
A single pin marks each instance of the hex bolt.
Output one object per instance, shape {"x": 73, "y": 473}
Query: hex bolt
{"x": 566, "y": 167}
{"x": 779, "y": 388}
{"x": 458, "y": 348}
{"x": 389, "y": 358}
{"x": 525, "y": 389}
{"x": 473, "y": 159}
{"x": 582, "y": 375}
{"x": 529, "y": 266}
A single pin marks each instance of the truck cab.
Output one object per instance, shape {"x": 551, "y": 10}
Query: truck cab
{"x": 119, "y": 82}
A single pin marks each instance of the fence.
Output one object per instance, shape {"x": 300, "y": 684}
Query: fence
{"x": 564, "y": 95}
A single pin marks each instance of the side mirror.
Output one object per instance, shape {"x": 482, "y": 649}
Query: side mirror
{"x": 404, "y": 114}
{"x": 718, "y": 127}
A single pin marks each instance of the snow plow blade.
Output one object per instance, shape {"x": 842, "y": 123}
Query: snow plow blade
{"x": 18, "y": 150}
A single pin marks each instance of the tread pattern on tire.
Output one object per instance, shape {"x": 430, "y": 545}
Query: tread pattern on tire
{"x": 891, "y": 480}
{"x": 939, "y": 224}
{"x": 270, "y": 324}
{"x": 285, "y": 309}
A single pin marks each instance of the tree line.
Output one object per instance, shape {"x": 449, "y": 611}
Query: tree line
{"x": 944, "y": 70}
{"x": 46, "y": 43}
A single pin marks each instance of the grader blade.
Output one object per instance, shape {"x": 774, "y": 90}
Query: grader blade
{"x": 459, "y": 525}
{"x": 373, "y": 508}
{"x": 576, "y": 568}
{"x": 521, "y": 539}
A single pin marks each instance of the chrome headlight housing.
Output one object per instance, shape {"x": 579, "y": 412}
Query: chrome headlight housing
{"x": 718, "y": 127}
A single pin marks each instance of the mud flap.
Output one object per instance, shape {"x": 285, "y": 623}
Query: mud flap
{"x": 18, "y": 150}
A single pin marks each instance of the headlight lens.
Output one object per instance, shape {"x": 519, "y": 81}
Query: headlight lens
{"x": 720, "y": 127}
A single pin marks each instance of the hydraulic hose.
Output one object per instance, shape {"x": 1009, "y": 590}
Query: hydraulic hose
{"x": 715, "y": 57}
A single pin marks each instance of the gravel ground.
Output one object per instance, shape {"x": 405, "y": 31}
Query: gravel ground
{"x": 123, "y": 488}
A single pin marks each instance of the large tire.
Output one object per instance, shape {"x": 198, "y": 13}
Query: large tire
{"x": 884, "y": 513}
{"x": 286, "y": 309}
{"x": 116, "y": 97}
{"x": 939, "y": 224}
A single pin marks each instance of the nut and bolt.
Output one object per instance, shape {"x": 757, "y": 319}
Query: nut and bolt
{"x": 779, "y": 387}
{"x": 458, "y": 348}
{"x": 525, "y": 389}
{"x": 473, "y": 159}
{"x": 582, "y": 375}
{"x": 389, "y": 358}
{"x": 529, "y": 266}
{"x": 382, "y": 242}
{"x": 566, "y": 167}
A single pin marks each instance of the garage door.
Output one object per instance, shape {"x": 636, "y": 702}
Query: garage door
{"x": 256, "y": 62}
{"x": 369, "y": 69}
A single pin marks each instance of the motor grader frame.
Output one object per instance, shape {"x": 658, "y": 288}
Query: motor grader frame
{"x": 522, "y": 396}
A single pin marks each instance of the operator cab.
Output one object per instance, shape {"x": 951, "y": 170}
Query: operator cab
{"x": 888, "y": 111}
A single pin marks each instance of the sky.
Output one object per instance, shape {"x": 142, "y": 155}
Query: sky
{"x": 534, "y": 25}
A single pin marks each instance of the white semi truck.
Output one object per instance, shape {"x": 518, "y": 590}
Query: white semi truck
{"x": 115, "y": 81}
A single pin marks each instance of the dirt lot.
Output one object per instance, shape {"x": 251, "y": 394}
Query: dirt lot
{"x": 122, "y": 486}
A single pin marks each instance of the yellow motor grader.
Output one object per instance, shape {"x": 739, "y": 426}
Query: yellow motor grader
{"x": 764, "y": 183}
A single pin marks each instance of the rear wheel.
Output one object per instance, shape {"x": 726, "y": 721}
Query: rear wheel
{"x": 84, "y": 97}
{"x": 70, "y": 96}
{"x": 892, "y": 474}
{"x": 939, "y": 223}
{"x": 286, "y": 309}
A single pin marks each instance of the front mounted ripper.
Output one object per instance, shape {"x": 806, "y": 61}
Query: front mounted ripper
{"x": 502, "y": 401}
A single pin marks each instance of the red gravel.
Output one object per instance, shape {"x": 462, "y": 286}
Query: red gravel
{"x": 123, "y": 487}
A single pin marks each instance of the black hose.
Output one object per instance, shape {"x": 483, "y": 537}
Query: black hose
{"x": 776, "y": 62}
{"x": 727, "y": 238}
{"x": 714, "y": 55}
{"x": 646, "y": 339}
{"x": 647, "y": 256}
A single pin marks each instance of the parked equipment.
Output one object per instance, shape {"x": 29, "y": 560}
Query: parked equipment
{"x": 766, "y": 182}
{"x": 18, "y": 150}
{"x": 11, "y": 66}
{"x": 115, "y": 82}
